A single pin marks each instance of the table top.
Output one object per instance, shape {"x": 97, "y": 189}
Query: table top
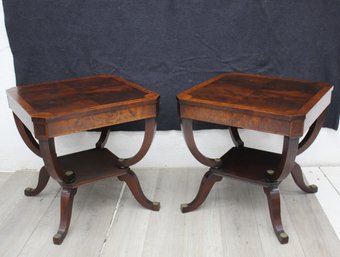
{"x": 82, "y": 103}
{"x": 258, "y": 96}
{"x": 53, "y": 99}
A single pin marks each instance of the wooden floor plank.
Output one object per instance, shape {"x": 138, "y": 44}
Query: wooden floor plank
{"x": 172, "y": 233}
{"x": 4, "y": 176}
{"x": 316, "y": 236}
{"x": 233, "y": 221}
{"x": 93, "y": 208}
{"x": 19, "y": 214}
{"x": 327, "y": 195}
{"x": 203, "y": 230}
{"x": 238, "y": 221}
{"x": 128, "y": 231}
{"x": 166, "y": 238}
{"x": 333, "y": 175}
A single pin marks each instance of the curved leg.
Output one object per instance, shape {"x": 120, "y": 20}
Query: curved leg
{"x": 42, "y": 182}
{"x": 189, "y": 139}
{"x": 26, "y": 136}
{"x": 52, "y": 166}
{"x": 273, "y": 197}
{"x": 208, "y": 180}
{"x": 66, "y": 203}
{"x": 132, "y": 181}
{"x": 312, "y": 133}
{"x": 104, "y": 136}
{"x": 287, "y": 162}
{"x": 235, "y": 136}
{"x": 299, "y": 180}
{"x": 150, "y": 129}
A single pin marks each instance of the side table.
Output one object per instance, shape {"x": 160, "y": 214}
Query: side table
{"x": 291, "y": 108}
{"x": 47, "y": 110}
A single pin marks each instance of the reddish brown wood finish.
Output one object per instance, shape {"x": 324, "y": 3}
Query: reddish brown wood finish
{"x": 131, "y": 180}
{"x": 104, "y": 136}
{"x": 57, "y": 108}
{"x": 312, "y": 133}
{"x": 66, "y": 203}
{"x": 189, "y": 139}
{"x": 208, "y": 180}
{"x": 299, "y": 180}
{"x": 150, "y": 129}
{"x": 26, "y": 135}
{"x": 69, "y": 106}
{"x": 273, "y": 197}
{"x": 280, "y": 106}
{"x": 44, "y": 177}
{"x": 235, "y": 136}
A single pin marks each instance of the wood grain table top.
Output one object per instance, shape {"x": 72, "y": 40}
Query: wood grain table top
{"x": 80, "y": 104}
{"x": 54, "y": 99}
{"x": 255, "y": 96}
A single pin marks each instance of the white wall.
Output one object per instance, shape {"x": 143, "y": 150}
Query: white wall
{"x": 168, "y": 149}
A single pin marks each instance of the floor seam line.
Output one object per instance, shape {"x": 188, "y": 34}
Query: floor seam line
{"x": 329, "y": 181}
{"x": 112, "y": 219}
{"x": 35, "y": 228}
{"x": 255, "y": 217}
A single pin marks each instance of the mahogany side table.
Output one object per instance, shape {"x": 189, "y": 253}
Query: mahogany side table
{"x": 48, "y": 110}
{"x": 280, "y": 106}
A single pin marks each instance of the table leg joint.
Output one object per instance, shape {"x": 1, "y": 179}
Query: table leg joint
{"x": 312, "y": 133}
{"x": 235, "y": 136}
{"x": 27, "y": 136}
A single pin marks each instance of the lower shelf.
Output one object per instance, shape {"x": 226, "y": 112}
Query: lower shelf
{"x": 249, "y": 164}
{"x": 91, "y": 165}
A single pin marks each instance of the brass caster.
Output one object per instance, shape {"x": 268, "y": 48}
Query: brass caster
{"x": 283, "y": 238}
{"x": 313, "y": 188}
{"x": 156, "y": 206}
{"x": 184, "y": 207}
{"x": 58, "y": 238}
{"x": 29, "y": 191}
{"x": 71, "y": 176}
{"x": 270, "y": 172}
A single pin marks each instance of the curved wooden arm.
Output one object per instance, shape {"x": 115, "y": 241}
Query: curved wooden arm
{"x": 104, "y": 136}
{"x": 235, "y": 136}
{"x": 287, "y": 163}
{"x": 150, "y": 129}
{"x": 27, "y": 136}
{"x": 312, "y": 133}
{"x": 190, "y": 141}
{"x": 52, "y": 166}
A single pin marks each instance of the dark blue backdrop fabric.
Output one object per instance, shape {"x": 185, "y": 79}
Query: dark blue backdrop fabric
{"x": 170, "y": 45}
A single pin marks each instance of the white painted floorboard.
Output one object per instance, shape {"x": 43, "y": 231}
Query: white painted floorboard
{"x": 108, "y": 221}
{"x": 328, "y": 181}
{"x": 333, "y": 176}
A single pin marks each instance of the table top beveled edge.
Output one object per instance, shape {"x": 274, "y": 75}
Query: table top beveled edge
{"x": 185, "y": 97}
{"x": 130, "y": 83}
{"x": 93, "y": 110}
{"x": 184, "y": 94}
{"x": 19, "y": 102}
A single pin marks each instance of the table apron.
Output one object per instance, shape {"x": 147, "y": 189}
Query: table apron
{"x": 292, "y": 128}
